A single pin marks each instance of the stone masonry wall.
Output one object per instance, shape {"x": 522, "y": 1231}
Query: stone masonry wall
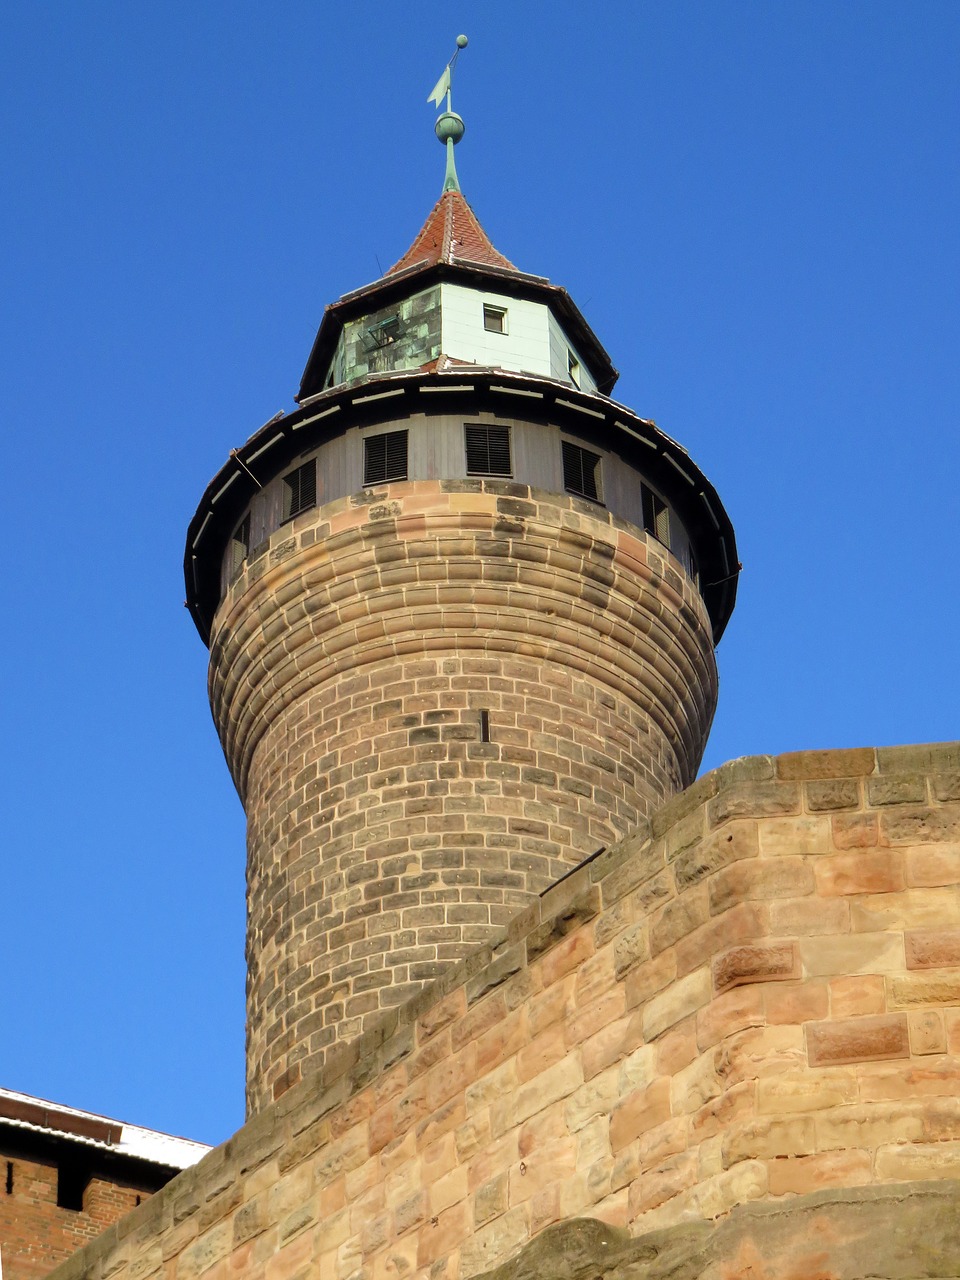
{"x": 435, "y": 698}
{"x": 757, "y": 996}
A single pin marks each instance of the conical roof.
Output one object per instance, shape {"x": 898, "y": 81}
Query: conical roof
{"x": 451, "y": 234}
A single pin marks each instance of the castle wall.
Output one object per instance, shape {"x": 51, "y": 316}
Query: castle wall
{"x": 756, "y": 996}
{"x": 35, "y": 1232}
{"x": 435, "y": 698}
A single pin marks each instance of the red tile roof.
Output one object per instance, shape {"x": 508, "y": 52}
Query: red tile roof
{"x": 451, "y": 234}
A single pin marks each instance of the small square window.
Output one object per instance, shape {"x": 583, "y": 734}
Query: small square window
{"x": 573, "y": 368}
{"x": 488, "y": 450}
{"x": 385, "y": 457}
{"x": 656, "y": 516}
{"x": 300, "y": 490}
{"x": 581, "y": 471}
{"x": 494, "y": 319}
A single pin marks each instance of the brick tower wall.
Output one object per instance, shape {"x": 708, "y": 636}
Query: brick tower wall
{"x": 435, "y": 698}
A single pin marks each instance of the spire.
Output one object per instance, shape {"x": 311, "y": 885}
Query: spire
{"x": 451, "y": 234}
{"x": 449, "y": 127}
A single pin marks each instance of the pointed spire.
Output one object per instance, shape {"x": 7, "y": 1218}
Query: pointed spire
{"x": 451, "y": 234}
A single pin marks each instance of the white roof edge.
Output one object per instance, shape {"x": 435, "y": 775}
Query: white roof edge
{"x": 135, "y": 1141}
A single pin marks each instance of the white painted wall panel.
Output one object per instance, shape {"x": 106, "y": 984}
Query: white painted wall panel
{"x": 525, "y": 347}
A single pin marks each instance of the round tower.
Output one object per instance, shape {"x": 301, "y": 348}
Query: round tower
{"x": 461, "y": 609}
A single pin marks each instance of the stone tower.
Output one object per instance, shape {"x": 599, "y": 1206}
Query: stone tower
{"x": 461, "y": 609}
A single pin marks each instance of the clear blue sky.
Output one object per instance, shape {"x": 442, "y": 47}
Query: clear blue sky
{"x": 756, "y": 206}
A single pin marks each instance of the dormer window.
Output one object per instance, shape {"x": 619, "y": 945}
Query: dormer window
{"x": 383, "y": 334}
{"x": 494, "y": 319}
{"x": 573, "y": 368}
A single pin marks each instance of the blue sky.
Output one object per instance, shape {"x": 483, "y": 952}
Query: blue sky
{"x": 754, "y": 204}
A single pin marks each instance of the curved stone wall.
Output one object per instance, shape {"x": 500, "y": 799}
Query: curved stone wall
{"x": 435, "y": 698}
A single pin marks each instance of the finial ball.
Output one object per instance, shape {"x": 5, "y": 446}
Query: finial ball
{"x": 449, "y": 125}
{"x": 461, "y": 42}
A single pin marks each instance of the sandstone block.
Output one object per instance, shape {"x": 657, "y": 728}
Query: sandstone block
{"x": 879, "y": 872}
{"x": 832, "y": 793}
{"x": 769, "y": 1138}
{"x": 853, "y": 763}
{"x": 916, "y": 1161}
{"x": 728, "y": 1014}
{"x": 913, "y": 989}
{"x": 932, "y": 949}
{"x": 781, "y": 877}
{"x": 932, "y": 866}
{"x": 683, "y": 998}
{"x": 857, "y": 995}
{"x": 809, "y": 917}
{"x": 760, "y": 962}
{"x": 857, "y": 1039}
{"x": 795, "y": 836}
{"x": 801, "y": 1175}
{"x": 921, "y": 825}
{"x": 852, "y": 953}
{"x": 927, "y": 1032}
{"x": 806, "y": 1091}
{"x": 753, "y": 800}
{"x": 796, "y": 1003}
{"x": 639, "y": 1112}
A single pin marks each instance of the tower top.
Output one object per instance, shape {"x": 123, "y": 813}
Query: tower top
{"x": 449, "y": 127}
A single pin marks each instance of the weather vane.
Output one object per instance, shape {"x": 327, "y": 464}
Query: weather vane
{"x": 449, "y": 127}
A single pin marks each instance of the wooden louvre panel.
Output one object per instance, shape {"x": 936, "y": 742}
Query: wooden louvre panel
{"x": 385, "y": 457}
{"x": 581, "y": 471}
{"x": 656, "y": 516}
{"x": 488, "y": 450}
{"x": 240, "y": 545}
{"x": 300, "y": 490}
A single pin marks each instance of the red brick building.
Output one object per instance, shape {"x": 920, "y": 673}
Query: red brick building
{"x": 67, "y": 1175}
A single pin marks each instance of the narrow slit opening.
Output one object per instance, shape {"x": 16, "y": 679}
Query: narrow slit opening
{"x": 484, "y": 726}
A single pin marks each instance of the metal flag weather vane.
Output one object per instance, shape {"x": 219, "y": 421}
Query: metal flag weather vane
{"x": 449, "y": 127}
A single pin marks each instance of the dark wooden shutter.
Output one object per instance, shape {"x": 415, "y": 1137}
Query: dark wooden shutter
{"x": 385, "y": 457}
{"x": 581, "y": 471}
{"x": 488, "y": 450}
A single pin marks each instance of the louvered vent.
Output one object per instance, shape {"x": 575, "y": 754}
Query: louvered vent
{"x": 385, "y": 457}
{"x": 656, "y": 516}
{"x": 239, "y": 545}
{"x": 488, "y": 450}
{"x": 581, "y": 471}
{"x": 300, "y": 490}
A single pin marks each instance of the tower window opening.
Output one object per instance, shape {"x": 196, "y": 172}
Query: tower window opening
{"x": 573, "y": 368}
{"x": 484, "y": 726}
{"x": 488, "y": 450}
{"x": 694, "y": 570}
{"x": 383, "y": 333}
{"x": 299, "y": 490}
{"x": 656, "y": 516}
{"x": 385, "y": 457}
{"x": 72, "y": 1182}
{"x": 494, "y": 319}
{"x": 240, "y": 545}
{"x": 581, "y": 471}
{"x": 9, "y": 1177}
